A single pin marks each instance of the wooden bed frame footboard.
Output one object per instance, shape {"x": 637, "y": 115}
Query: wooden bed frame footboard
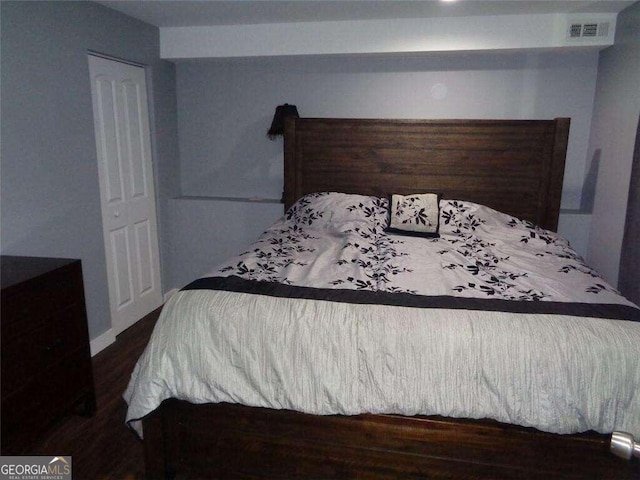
{"x": 228, "y": 441}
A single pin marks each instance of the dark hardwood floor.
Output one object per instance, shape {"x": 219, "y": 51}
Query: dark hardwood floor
{"x": 103, "y": 447}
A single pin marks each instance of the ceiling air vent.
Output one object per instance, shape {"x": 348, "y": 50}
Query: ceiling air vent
{"x": 590, "y": 30}
{"x": 576, "y": 30}
{"x": 586, "y": 30}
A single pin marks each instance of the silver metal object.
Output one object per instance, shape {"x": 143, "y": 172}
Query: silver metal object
{"x": 624, "y": 446}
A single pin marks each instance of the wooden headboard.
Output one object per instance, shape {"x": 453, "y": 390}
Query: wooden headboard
{"x": 514, "y": 166}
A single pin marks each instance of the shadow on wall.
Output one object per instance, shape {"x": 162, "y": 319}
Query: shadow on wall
{"x": 253, "y": 168}
{"x": 589, "y": 185}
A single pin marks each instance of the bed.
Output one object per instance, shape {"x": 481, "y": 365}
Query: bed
{"x": 291, "y": 429}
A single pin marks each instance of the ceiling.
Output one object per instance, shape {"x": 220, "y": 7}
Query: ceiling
{"x": 187, "y": 13}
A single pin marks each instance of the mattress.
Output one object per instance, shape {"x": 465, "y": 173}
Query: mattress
{"x": 329, "y": 313}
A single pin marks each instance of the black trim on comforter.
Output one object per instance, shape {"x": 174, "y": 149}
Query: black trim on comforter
{"x": 274, "y": 289}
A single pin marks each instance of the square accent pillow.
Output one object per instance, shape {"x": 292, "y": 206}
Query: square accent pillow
{"x": 417, "y": 214}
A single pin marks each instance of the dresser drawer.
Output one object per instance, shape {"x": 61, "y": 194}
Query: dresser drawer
{"x": 28, "y": 353}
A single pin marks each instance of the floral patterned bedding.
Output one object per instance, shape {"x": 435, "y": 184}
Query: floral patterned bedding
{"x": 334, "y": 240}
{"x": 319, "y": 316}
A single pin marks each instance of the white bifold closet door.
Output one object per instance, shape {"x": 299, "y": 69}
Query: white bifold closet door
{"x": 121, "y": 120}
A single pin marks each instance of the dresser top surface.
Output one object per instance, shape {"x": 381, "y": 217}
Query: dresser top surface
{"x": 15, "y": 270}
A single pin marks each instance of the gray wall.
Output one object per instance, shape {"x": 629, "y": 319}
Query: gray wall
{"x": 49, "y": 182}
{"x": 226, "y": 106}
{"x": 613, "y": 133}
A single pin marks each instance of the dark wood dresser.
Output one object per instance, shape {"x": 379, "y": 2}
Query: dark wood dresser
{"x": 46, "y": 360}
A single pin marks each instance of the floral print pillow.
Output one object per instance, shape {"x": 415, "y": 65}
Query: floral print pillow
{"x": 417, "y": 214}
{"x": 334, "y": 210}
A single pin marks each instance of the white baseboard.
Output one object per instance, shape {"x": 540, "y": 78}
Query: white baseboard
{"x": 103, "y": 341}
{"x": 169, "y": 294}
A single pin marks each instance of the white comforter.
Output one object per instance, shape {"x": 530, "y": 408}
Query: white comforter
{"x": 558, "y": 373}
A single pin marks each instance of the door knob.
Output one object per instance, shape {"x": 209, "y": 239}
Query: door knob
{"x": 624, "y": 446}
